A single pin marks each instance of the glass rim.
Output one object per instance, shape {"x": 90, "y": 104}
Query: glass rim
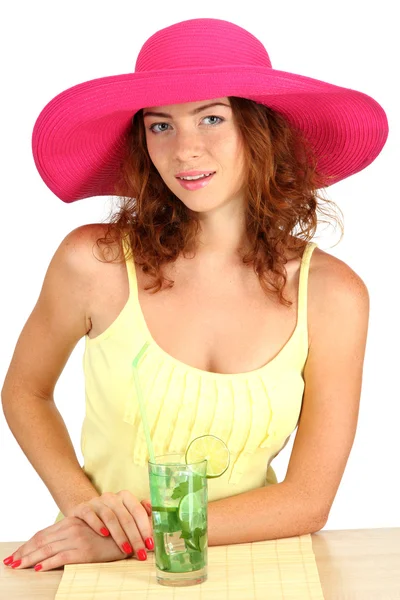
{"x": 174, "y": 464}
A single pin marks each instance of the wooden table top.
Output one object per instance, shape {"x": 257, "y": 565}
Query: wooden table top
{"x": 356, "y": 564}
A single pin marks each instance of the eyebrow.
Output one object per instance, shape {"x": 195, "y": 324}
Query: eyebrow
{"x": 193, "y": 112}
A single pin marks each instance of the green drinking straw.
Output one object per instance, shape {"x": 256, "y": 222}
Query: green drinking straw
{"x": 141, "y": 401}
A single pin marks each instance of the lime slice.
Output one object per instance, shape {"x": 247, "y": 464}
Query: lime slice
{"x": 202, "y": 542}
{"x": 190, "y": 512}
{"x": 198, "y": 540}
{"x": 213, "y": 449}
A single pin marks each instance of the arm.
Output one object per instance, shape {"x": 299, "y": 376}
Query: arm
{"x": 327, "y": 425}
{"x": 53, "y": 329}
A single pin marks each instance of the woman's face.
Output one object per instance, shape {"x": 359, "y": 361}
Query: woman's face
{"x": 197, "y": 137}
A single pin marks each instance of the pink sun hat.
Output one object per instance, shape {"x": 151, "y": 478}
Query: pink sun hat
{"x": 79, "y": 138}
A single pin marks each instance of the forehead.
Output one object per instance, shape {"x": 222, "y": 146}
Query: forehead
{"x": 186, "y": 107}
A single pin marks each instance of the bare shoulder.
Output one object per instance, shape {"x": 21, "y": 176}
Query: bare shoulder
{"x": 80, "y": 246}
{"x": 335, "y": 292}
{"x": 328, "y": 265}
{"x": 74, "y": 274}
{"x": 338, "y": 318}
{"x": 83, "y": 256}
{"x": 91, "y": 263}
{"x": 61, "y": 316}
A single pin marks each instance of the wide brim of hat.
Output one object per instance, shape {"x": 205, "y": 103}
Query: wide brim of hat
{"x": 78, "y": 140}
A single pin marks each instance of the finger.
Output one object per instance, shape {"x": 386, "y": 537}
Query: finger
{"x": 147, "y": 506}
{"x": 40, "y": 539}
{"x": 46, "y": 552}
{"x": 65, "y": 557}
{"x": 87, "y": 512}
{"x": 135, "y": 508}
{"x": 141, "y": 517}
{"x": 100, "y": 513}
{"x": 149, "y": 542}
{"x": 122, "y": 524}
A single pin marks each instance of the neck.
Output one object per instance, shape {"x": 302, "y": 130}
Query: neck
{"x": 222, "y": 234}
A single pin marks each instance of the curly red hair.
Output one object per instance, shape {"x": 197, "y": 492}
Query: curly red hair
{"x": 282, "y": 195}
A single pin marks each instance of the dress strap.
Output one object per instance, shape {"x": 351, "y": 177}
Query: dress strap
{"x": 303, "y": 283}
{"x": 130, "y": 267}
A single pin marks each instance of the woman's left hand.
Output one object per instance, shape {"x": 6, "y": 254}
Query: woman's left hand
{"x": 70, "y": 541}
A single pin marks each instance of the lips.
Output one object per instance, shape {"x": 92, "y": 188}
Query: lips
{"x": 196, "y": 184}
{"x": 193, "y": 173}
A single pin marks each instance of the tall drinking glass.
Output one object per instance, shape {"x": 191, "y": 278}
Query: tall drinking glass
{"x": 179, "y": 498}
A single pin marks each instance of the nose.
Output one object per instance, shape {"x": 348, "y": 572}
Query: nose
{"x": 187, "y": 145}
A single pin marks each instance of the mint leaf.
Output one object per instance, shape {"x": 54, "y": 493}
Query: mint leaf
{"x": 186, "y": 535}
{"x": 198, "y": 532}
{"x": 180, "y": 490}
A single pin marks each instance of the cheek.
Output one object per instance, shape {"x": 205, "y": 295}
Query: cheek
{"x": 151, "y": 149}
{"x": 231, "y": 155}
{"x": 229, "y": 145}
{"x": 157, "y": 156}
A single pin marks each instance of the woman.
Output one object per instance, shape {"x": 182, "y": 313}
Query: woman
{"x": 252, "y": 329}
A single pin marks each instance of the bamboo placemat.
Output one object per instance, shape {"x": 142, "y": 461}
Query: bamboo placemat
{"x": 273, "y": 570}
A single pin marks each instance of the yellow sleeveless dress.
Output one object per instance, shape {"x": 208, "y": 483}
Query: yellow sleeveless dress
{"x": 254, "y": 412}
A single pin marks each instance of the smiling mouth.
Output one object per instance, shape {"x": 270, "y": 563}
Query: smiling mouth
{"x": 197, "y": 177}
{"x": 195, "y": 184}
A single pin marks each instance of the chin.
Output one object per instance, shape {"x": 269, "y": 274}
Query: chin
{"x": 201, "y": 206}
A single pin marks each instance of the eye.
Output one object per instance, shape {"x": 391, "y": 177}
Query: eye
{"x": 214, "y": 117}
{"x": 154, "y": 125}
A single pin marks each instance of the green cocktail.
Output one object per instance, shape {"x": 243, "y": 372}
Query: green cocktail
{"x": 179, "y": 498}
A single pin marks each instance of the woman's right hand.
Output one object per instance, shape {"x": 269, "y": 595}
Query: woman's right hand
{"x": 127, "y": 520}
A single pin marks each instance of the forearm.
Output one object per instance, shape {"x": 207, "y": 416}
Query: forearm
{"x": 42, "y": 435}
{"x": 266, "y": 513}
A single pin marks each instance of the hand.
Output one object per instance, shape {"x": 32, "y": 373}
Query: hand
{"x": 70, "y": 541}
{"x": 124, "y": 517}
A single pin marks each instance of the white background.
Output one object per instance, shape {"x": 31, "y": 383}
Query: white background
{"x": 48, "y": 46}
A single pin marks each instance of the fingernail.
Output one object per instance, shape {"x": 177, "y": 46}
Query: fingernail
{"x": 149, "y": 543}
{"x": 127, "y": 548}
{"x": 142, "y": 555}
{"x": 38, "y": 567}
{"x": 7, "y": 561}
{"x": 16, "y": 564}
{"x": 104, "y": 531}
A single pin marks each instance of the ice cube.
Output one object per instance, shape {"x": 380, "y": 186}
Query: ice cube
{"x": 173, "y": 543}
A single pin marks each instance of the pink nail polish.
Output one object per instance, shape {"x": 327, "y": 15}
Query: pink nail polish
{"x": 149, "y": 543}
{"x": 127, "y": 548}
{"x": 7, "y": 561}
{"x": 141, "y": 554}
{"x": 38, "y": 567}
{"x": 16, "y": 564}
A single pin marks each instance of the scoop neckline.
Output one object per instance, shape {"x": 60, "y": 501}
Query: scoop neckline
{"x": 243, "y": 375}
{"x": 179, "y": 364}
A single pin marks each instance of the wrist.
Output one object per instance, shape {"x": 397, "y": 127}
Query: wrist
{"x": 69, "y": 509}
